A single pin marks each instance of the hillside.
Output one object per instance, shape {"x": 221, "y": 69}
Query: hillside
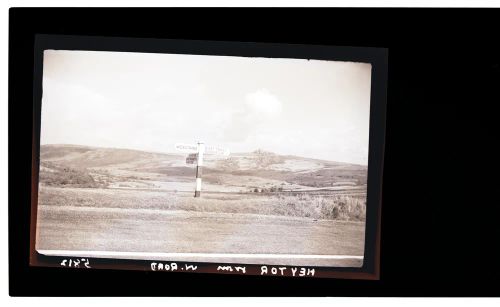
{"x": 262, "y": 171}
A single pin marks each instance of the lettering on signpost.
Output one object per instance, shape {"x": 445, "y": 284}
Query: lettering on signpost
{"x": 187, "y": 148}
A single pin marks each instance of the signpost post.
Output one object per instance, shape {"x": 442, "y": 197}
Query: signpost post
{"x": 201, "y": 150}
{"x": 196, "y": 153}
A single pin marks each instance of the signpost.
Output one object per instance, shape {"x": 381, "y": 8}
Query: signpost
{"x": 196, "y": 153}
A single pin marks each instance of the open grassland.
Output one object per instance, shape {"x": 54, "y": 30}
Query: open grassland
{"x": 140, "y": 221}
{"x": 338, "y": 207}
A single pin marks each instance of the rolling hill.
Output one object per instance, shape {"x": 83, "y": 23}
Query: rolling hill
{"x": 263, "y": 171}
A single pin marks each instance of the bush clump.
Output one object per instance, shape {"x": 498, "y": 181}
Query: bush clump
{"x": 66, "y": 176}
{"x": 337, "y": 207}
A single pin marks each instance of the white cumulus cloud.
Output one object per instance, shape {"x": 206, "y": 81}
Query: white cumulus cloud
{"x": 263, "y": 103}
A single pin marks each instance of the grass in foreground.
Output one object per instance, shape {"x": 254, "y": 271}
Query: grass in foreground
{"x": 334, "y": 207}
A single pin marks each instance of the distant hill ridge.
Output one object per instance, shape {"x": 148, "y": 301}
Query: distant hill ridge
{"x": 259, "y": 163}
{"x": 263, "y": 152}
{"x": 93, "y": 156}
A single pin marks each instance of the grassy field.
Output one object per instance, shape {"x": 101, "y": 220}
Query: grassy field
{"x": 148, "y": 221}
{"x": 280, "y": 204}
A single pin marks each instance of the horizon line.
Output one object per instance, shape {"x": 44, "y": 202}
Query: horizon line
{"x": 179, "y": 153}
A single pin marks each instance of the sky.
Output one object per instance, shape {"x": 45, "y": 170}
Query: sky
{"x": 309, "y": 108}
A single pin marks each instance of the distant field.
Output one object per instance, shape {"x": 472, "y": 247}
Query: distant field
{"x": 259, "y": 171}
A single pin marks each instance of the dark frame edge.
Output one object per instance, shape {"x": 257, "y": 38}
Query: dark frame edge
{"x": 378, "y": 57}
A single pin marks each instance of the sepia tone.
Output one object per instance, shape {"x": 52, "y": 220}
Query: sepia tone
{"x": 254, "y": 206}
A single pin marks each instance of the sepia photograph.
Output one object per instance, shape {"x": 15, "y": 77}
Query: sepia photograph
{"x": 243, "y": 152}
{"x": 203, "y": 158}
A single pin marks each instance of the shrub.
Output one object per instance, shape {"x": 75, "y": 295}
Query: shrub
{"x": 67, "y": 177}
{"x": 321, "y": 207}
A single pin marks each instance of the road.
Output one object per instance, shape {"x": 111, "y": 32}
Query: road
{"x": 198, "y": 236}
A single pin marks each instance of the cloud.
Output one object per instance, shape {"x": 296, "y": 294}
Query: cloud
{"x": 264, "y": 103}
{"x": 259, "y": 108}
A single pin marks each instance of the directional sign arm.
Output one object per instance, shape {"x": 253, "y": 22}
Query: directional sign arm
{"x": 189, "y": 148}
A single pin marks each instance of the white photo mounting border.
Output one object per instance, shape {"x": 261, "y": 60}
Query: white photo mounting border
{"x": 377, "y": 57}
